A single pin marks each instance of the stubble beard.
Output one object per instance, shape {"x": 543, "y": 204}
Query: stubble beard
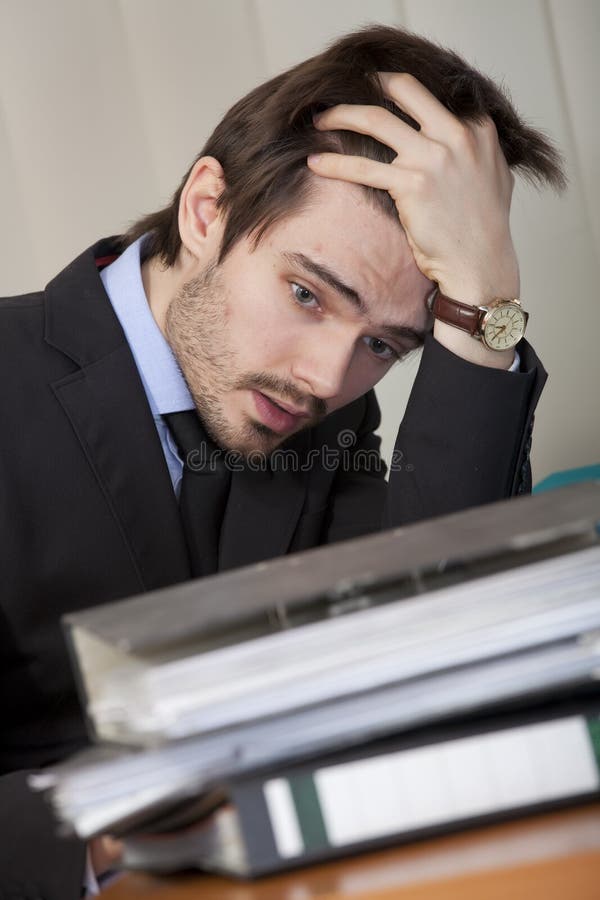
{"x": 196, "y": 329}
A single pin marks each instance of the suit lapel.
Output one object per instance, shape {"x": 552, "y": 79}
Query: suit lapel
{"x": 117, "y": 433}
{"x": 105, "y": 402}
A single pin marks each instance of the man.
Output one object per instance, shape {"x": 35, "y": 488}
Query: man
{"x": 294, "y": 266}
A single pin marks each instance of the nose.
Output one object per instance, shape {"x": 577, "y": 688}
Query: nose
{"x": 322, "y": 361}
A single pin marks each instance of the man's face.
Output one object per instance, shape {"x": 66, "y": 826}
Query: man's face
{"x": 274, "y": 339}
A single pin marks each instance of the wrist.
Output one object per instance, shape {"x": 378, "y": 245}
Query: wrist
{"x": 478, "y": 289}
{"x": 480, "y": 293}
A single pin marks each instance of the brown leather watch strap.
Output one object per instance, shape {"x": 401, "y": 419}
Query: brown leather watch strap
{"x": 461, "y": 315}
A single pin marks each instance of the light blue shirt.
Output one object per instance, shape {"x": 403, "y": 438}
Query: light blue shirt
{"x": 163, "y": 382}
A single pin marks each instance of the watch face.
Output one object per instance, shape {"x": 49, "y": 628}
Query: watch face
{"x": 504, "y": 327}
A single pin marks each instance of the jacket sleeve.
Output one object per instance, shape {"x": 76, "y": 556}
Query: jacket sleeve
{"x": 35, "y": 862}
{"x": 465, "y": 440}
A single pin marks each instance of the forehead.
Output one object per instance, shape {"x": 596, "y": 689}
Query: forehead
{"x": 342, "y": 229}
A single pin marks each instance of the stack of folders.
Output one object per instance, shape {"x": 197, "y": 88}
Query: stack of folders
{"x": 345, "y": 698}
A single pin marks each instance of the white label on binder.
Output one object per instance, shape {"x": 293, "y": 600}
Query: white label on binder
{"x": 457, "y": 779}
{"x": 284, "y": 821}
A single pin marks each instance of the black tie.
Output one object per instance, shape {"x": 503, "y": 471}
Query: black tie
{"x": 204, "y": 490}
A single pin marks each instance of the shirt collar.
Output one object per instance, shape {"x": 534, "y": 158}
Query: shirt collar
{"x": 161, "y": 376}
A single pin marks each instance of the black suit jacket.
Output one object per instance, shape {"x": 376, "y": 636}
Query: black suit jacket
{"x": 88, "y": 514}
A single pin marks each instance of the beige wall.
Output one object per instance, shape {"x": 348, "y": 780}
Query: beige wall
{"x": 104, "y": 104}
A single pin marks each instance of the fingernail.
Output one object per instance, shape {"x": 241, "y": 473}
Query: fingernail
{"x": 314, "y": 158}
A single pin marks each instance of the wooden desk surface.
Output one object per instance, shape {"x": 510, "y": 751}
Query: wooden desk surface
{"x": 555, "y": 856}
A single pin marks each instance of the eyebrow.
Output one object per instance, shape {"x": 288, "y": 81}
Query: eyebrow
{"x": 327, "y": 276}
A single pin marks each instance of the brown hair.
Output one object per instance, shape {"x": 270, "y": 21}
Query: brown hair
{"x": 262, "y": 142}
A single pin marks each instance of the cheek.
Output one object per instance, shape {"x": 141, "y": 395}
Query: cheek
{"x": 264, "y": 331}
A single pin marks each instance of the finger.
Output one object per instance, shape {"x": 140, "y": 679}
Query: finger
{"x": 412, "y": 97}
{"x": 375, "y": 121}
{"x": 356, "y": 169}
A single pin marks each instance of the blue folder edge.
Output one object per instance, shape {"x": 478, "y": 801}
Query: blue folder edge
{"x": 566, "y": 477}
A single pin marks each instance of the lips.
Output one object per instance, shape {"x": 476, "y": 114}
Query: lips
{"x": 292, "y": 410}
{"x": 277, "y": 416}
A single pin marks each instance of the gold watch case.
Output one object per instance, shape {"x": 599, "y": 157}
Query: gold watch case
{"x": 503, "y": 324}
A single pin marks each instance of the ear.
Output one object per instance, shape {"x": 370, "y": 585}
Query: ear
{"x": 200, "y": 224}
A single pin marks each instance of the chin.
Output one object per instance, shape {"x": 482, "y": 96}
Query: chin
{"x": 235, "y": 430}
{"x": 245, "y": 438}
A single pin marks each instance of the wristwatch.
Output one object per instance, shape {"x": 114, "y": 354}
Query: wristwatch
{"x": 499, "y": 324}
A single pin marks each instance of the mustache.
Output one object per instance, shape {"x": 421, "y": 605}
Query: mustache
{"x": 285, "y": 390}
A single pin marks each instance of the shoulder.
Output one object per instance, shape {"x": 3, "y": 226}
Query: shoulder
{"x": 21, "y": 303}
{"x": 21, "y": 321}
{"x": 25, "y": 355}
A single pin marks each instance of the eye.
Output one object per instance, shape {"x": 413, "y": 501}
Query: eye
{"x": 303, "y": 296}
{"x": 380, "y": 349}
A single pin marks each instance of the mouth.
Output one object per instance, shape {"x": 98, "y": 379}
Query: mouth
{"x": 276, "y": 415}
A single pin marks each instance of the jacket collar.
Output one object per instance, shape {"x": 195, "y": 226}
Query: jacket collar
{"x": 80, "y": 321}
{"x": 106, "y": 404}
